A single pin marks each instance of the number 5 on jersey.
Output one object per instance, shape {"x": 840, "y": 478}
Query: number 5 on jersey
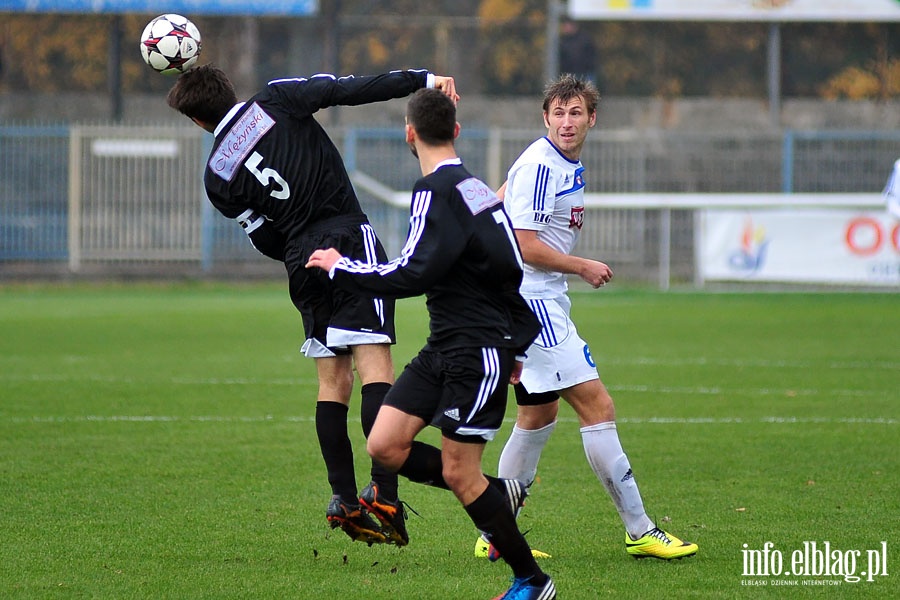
{"x": 266, "y": 175}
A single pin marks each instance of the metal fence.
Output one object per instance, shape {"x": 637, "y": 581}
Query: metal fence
{"x": 133, "y": 194}
{"x": 112, "y": 199}
{"x": 33, "y": 193}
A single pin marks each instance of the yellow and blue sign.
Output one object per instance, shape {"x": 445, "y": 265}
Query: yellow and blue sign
{"x": 737, "y": 10}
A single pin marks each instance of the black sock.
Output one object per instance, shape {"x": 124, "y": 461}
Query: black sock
{"x": 331, "y": 428}
{"x": 424, "y": 465}
{"x": 491, "y": 516}
{"x": 372, "y": 398}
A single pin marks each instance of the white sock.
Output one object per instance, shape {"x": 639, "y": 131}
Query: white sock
{"x": 607, "y": 459}
{"x": 520, "y": 456}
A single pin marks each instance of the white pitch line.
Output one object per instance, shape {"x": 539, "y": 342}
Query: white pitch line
{"x": 740, "y": 363}
{"x": 288, "y": 381}
{"x": 298, "y": 419}
{"x": 640, "y": 361}
{"x": 717, "y": 391}
{"x": 56, "y": 378}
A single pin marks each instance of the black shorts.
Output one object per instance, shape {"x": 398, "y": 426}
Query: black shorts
{"x": 334, "y": 319}
{"x": 462, "y": 392}
{"x": 526, "y": 398}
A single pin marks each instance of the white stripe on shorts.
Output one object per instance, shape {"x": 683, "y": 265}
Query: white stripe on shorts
{"x": 369, "y": 240}
{"x": 491, "y": 362}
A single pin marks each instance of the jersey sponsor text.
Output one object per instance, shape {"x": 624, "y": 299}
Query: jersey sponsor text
{"x": 239, "y": 141}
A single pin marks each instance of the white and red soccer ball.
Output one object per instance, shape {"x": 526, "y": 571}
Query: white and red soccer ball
{"x": 170, "y": 44}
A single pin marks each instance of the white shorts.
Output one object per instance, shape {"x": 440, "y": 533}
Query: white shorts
{"x": 558, "y": 358}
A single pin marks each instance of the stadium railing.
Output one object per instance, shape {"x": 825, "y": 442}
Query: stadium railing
{"x": 108, "y": 199}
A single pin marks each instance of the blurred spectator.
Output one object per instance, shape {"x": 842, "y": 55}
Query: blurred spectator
{"x": 577, "y": 51}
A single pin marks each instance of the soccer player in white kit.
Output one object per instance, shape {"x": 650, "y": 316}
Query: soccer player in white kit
{"x": 544, "y": 196}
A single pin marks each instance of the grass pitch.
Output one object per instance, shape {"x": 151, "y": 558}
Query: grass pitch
{"x": 158, "y": 442}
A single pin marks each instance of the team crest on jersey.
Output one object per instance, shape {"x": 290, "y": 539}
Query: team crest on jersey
{"x": 577, "y": 217}
{"x": 239, "y": 141}
{"x": 579, "y": 180}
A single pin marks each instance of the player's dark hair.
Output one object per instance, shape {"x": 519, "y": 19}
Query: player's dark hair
{"x": 567, "y": 88}
{"x": 203, "y": 93}
{"x": 433, "y": 115}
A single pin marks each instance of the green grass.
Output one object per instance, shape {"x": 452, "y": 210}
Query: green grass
{"x": 158, "y": 442}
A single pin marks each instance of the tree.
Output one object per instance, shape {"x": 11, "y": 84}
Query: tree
{"x": 497, "y": 47}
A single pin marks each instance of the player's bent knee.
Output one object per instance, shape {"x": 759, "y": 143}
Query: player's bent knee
{"x": 385, "y": 453}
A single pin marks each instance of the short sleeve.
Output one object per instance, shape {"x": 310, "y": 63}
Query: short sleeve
{"x": 530, "y": 196}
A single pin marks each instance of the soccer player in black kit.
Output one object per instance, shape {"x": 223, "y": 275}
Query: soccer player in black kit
{"x": 274, "y": 169}
{"x": 462, "y": 254}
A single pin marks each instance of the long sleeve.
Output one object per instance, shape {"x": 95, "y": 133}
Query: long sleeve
{"x": 460, "y": 253}
{"x": 433, "y": 243}
{"x": 308, "y": 95}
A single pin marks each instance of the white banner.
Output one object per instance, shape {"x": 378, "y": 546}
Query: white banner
{"x": 800, "y": 245}
{"x": 736, "y": 10}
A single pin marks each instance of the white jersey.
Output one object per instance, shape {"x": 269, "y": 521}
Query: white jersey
{"x": 545, "y": 193}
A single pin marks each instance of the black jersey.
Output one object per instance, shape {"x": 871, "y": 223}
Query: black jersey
{"x": 462, "y": 254}
{"x": 272, "y": 158}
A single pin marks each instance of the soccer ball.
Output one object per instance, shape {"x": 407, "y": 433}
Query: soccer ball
{"x": 170, "y": 44}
